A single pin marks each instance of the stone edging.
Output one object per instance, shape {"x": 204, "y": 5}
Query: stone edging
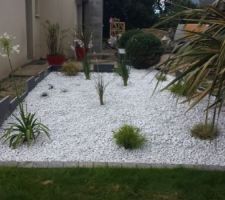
{"x": 7, "y": 106}
{"x": 77, "y": 164}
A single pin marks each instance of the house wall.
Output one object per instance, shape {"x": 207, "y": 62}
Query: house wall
{"x": 13, "y": 21}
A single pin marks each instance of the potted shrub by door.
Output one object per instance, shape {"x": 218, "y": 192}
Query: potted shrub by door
{"x": 54, "y": 41}
{"x": 82, "y": 42}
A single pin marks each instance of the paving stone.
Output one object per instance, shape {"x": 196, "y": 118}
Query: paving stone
{"x": 86, "y": 164}
{"x": 71, "y": 164}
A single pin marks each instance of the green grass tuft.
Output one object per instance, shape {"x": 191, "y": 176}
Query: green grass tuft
{"x": 179, "y": 89}
{"x": 71, "y": 68}
{"x": 205, "y": 131}
{"x": 124, "y": 71}
{"x": 129, "y": 137}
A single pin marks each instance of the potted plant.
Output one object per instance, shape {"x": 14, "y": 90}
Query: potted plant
{"x": 82, "y": 42}
{"x": 54, "y": 41}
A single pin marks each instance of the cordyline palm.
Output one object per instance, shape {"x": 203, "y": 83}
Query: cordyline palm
{"x": 201, "y": 61}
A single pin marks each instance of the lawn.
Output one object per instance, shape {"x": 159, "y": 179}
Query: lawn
{"x": 107, "y": 183}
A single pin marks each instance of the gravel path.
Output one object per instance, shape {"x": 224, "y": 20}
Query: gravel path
{"x": 81, "y": 129}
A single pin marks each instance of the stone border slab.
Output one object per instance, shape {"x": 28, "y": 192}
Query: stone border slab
{"x": 108, "y": 68}
{"x": 77, "y": 164}
{"x": 7, "y": 106}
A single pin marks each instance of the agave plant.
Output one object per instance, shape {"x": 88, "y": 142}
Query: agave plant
{"x": 26, "y": 129}
{"x": 201, "y": 60}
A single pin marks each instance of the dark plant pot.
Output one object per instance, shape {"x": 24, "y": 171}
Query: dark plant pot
{"x": 80, "y": 53}
{"x": 56, "y": 60}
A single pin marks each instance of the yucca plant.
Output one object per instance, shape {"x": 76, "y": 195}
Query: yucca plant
{"x": 100, "y": 87}
{"x": 202, "y": 58}
{"x": 124, "y": 71}
{"x": 87, "y": 67}
{"x": 26, "y": 129}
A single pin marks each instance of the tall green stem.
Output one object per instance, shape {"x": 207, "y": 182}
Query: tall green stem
{"x": 14, "y": 82}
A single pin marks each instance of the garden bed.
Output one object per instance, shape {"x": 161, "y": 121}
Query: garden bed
{"x": 82, "y": 130}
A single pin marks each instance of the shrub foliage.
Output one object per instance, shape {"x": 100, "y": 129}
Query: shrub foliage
{"x": 144, "y": 50}
{"x": 127, "y": 36}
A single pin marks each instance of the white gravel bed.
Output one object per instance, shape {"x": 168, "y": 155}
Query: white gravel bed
{"x": 81, "y": 129}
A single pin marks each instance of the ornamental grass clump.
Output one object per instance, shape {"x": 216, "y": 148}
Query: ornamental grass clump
{"x": 71, "y": 68}
{"x": 129, "y": 137}
{"x": 100, "y": 87}
{"x": 124, "y": 71}
{"x": 26, "y": 129}
{"x": 87, "y": 67}
{"x": 205, "y": 131}
{"x": 178, "y": 89}
{"x": 55, "y": 37}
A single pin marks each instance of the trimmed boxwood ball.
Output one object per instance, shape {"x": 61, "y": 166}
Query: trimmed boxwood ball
{"x": 127, "y": 36}
{"x": 144, "y": 50}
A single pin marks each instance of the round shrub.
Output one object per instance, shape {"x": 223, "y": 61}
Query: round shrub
{"x": 144, "y": 50}
{"x": 71, "y": 68}
{"x": 127, "y": 36}
{"x": 129, "y": 137}
{"x": 205, "y": 131}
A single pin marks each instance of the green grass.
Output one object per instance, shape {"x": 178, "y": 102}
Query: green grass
{"x": 111, "y": 184}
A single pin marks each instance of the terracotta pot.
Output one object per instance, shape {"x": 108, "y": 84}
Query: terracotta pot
{"x": 80, "y": 53}
{"x": 56, "y": 60}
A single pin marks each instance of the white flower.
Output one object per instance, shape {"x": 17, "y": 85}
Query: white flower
{"x": 16, "y": 49}
{"x": 6, "y": 35}
{"x": 6, "y": 45}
